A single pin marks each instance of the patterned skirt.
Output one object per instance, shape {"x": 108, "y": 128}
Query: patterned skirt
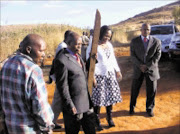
{"x": 107, "y": 91}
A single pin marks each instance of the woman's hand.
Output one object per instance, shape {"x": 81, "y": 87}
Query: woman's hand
{"x": 119, "y": 76}
{"x": 94, "y": 56}
{"x": 94, "y": 82}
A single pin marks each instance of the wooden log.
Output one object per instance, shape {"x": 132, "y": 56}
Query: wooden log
{"x": 95, "y": 40}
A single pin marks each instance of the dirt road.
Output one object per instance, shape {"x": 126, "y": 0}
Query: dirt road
{"x": 167, "y": 105}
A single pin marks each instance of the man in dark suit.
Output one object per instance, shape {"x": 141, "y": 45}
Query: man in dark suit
{"x": 145, "y": 54}
{"x": 71, "y": 82}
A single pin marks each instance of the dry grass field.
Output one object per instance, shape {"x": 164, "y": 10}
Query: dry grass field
{"x": 167, "y": 108}
{"x": 12, "y": 35}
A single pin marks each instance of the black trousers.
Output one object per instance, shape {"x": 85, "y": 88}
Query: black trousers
{"x": 151, "y": 87}
{"x": 83, "y": 52}
{"x": 73, "y": 124}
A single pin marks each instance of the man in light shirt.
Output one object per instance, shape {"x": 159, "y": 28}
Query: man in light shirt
{"x": 88, "y": 50}
{"x": 85, "y": 41}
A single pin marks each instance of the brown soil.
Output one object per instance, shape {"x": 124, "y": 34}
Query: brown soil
{"x": 167, "y": 105}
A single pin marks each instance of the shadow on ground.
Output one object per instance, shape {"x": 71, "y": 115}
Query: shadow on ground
{"x": 167, "y": 130}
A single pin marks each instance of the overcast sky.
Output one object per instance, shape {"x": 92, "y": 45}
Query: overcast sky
{"x": 76, "y": 13}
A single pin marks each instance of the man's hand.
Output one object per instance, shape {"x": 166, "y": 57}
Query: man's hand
{"x": 2, "y": 127}
{"x": 74, "y": 111}
{"x": 2, "y": 122}
{"x": 143, "y": 68}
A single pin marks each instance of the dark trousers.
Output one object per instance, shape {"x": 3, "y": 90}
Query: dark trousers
{"x": 151, "y": 87}
{"x": 73, "y": 124}
{"x": 83, "y": 52}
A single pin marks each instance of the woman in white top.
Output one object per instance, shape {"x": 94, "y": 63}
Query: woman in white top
{"x": 106, "y": 91}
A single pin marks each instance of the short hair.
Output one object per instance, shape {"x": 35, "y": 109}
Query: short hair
{"x": 72, "y": 38}
{"x": 91, "y": 31}
{"x": 29, "y": 40}
{"x": 103, "y": 31}
{"x": 26, "y": 41}
{"x": 145, "y": 24}
{"x": 66, "y": 34}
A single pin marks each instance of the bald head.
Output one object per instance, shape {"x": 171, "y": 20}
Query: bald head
{"x": 30, "y": 40}
{"x": 145, "y": 25}
{"x": 74, "y": 42}
{"x": 34, "y": 46}
{"x": 145, "y": 29}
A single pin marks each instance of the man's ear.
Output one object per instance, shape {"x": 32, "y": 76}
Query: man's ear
{"x": 28, "y": 49}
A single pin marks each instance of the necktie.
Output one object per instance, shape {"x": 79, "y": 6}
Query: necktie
{"x": 145, "y": 39}
{"x": 78, "y": 59}
{"x": 145, "y": 48}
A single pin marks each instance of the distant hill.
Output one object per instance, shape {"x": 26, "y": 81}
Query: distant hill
{"x": 159, "y": 15}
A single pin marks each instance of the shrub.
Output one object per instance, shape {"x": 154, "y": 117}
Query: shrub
{"x": 176, "y": 14}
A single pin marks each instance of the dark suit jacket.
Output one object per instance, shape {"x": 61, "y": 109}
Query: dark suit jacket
{"x": 152, "y": 56}
{"x": 71, "y": 82}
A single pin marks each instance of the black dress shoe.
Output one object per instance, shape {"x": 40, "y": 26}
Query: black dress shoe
{"x": 111, "y": 123}
{"x": 150, "y": 113}
{"x": 131, "y": 112}
{"x": 57, "y": 127}
{"x": 99, "y": 128}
